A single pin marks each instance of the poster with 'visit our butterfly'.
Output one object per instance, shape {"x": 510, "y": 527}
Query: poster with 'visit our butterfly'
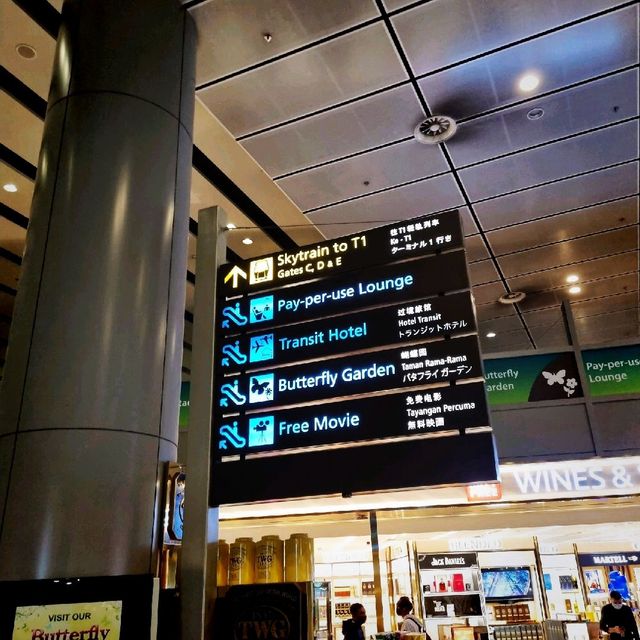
{"x": 550, "y": 376}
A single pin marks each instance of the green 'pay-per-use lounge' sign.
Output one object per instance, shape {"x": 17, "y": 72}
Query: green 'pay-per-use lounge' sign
{"x": 613, "y": 371}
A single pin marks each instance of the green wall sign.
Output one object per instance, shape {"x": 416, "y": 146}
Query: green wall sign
{"x": 185, "y": 391}
{"x": 551, "y": 376}
{"x": 613, "y": 371}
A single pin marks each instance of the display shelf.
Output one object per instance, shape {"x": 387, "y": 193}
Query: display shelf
{"x": 439, "y": 594}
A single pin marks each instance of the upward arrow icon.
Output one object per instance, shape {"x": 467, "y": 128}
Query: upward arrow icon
{"x": 235, "y": 273}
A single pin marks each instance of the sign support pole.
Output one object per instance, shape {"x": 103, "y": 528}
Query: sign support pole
{"x": 574, "y": 340}
{"x": 377, "y": 579}
{"x": 201, "y": 522}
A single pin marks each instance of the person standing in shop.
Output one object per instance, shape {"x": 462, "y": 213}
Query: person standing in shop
{"x": 410, "y": 624}
{"x": 352, "y": 629}
{"x": 618, "y": 620}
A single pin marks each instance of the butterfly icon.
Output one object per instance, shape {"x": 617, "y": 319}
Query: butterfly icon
{"x": 260, "y": 388}
{"x": 553, "y": 378}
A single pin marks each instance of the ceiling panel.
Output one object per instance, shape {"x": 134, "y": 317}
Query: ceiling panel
{"x": 21, "y": 130}
{"x": 460, "y": 29}
{"x": 619, "y": 325}
{"x": 367, "y": 123}
{"x": 204, "y": 194}
{"x": 553, "y": 335}
{"x": 476, "y": 249}
{"x": 570, "y": 252}
{"x": 18, "y": 28}
{"x": 12, "y": 237}
{"x": 586, "y": 152}
{"x": 507, "y": 341}
{"x": 427, "y": 196}
{"x": 6, "y": 304}
{"x": 20, "y": 200}
{"x": 500, "y": 325}
{"x": 610, "y": 303}
{"x": 9, "y": 273}
{"x": 381, "y": 168}
{"x": 483, "y": 272}
{"x": 488, "y": 294}
{"x": 231, "y": 32}
{"x": 566, "y": 113}
{"x": 493, "y": 309}
{"x": 596, "y": 289}
{"x": 572, "y": 55}
{"x": 594, "y": 269}
{"x": 564, "y": 226}
{"x": 572, "y": 193}
{"x": 341, "y": 69}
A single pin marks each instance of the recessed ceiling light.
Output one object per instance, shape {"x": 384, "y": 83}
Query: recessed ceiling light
{"x": 10, "y": 187}
{"x": 529, "y": 82}
{"x": 535, "y": 114}
{"x": 267, "y": 37}
{"x": 230, "y": 225}
{"x": 247, "y": 241}
{"x": 572, "y": 278}
{"x": 575, "y": 289}
{"x": 26, "y": 51}
{"x": 491, "y": 334}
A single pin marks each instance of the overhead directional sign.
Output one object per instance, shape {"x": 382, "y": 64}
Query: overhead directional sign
{"x": 422, "y": 364}
{"x": 392, "y": 415}
{"x": 407, "y": 322}
{"x": 352, "y": 347}
{"x": 381, "y": 285}
{"x": 402, "y": 240}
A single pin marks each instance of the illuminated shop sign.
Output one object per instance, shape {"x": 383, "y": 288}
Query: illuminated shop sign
{"x": 407, "y": 322}
{"x": 485, "y": 492}
{"x": 376, "y": 286}
{"x": 608, "y": 559}
{"x": 411, "y": 366}
{"x": 360, "y": 419}
{"x": 445, "y": 561}
{"x": 403, "y": 240}
{"x": 573, "y": 477}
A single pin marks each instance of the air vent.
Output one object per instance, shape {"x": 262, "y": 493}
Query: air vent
{"x": 513, "y": 297}
{"x": 435, "y": 130}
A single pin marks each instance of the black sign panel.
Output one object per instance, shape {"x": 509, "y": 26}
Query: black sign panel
{"x": 382, "y": 285}
{"x": 393, "y": 415}
{"x": 395, "y": 465}
{"x": 252, "y": 612}
{"x": 608, "y": 559}
{"x": 400, "y": 241}
{"x": 394, "y": 368}
{"x": 447, "y": 560}
{"x": 420, "y": 320}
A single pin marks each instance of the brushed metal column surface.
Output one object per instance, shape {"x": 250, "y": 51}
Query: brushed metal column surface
{"x": 90, "y": 395}
{"x": 101, "y": 507}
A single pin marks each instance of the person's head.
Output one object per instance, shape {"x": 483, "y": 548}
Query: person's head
{"x": 404, "y": 606}
{"x": 358, "y": 613}
{"x": 615, "y": 598}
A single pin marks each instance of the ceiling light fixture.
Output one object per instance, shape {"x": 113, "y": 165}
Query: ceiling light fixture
{"x": 535, "y": 114}
{"x": 26, "y": 51}
{"x": 575, "y": 289}
{"x": 10, "y": 187}
{"x": 491, "y": 334}
{"x": 230, "y": 226}
{"x": 267, "y": 37}
{"x": 572, "y": 278}
{"x": 247, "y": 241}
{"x": 529, "y": 82}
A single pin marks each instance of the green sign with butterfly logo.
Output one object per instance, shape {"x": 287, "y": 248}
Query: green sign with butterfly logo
{"x": 550, "y": 376}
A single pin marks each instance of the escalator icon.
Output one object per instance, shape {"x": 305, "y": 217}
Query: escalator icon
{"x": 229, "y": 435}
